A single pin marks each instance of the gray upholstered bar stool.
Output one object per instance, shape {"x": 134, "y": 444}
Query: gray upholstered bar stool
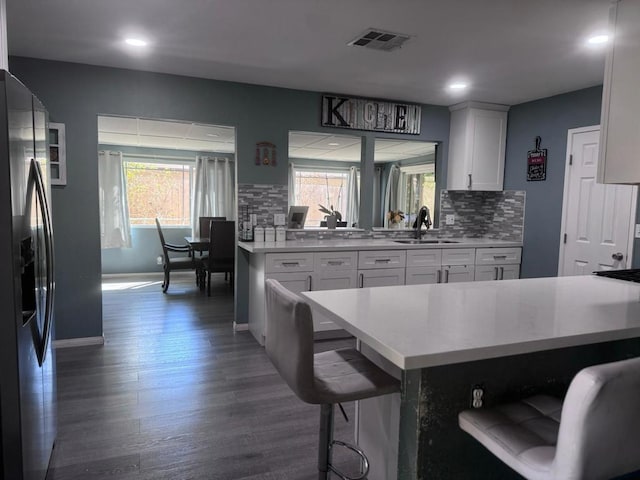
{"x": 323, "y": 378}
{"x": 594, "y": 434}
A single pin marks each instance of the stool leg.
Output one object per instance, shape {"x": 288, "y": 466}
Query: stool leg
{"x": 326, "y": 437}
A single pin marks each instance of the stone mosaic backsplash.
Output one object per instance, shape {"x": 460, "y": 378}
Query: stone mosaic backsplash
{"x": 496, "y": 215}
{"x": 263, "y": 199}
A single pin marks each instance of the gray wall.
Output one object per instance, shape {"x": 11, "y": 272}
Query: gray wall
{"x": 76, "y": 94}
{"x": 550, "y": 118}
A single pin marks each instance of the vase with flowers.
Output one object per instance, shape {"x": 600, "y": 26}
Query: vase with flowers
{"x": 396, "y": 219}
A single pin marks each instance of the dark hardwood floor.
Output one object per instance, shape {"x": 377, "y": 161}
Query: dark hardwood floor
{"x": 174, "y": 394}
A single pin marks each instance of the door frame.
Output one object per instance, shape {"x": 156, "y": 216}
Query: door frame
{"x": 565, "y": 199}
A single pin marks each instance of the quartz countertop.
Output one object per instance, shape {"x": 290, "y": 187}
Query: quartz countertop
{"x": 421, "y": 326}
{"x": 315, "y": 245}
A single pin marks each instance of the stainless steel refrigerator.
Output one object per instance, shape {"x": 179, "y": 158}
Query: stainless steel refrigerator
{"x": 27, "y": 364}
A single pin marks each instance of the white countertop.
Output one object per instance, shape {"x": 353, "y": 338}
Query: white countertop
{"x": 427, "y": 325}
{"x": 366, "y": 244}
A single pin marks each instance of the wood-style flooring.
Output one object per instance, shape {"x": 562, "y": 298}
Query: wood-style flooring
{"x": 175, "y": 394}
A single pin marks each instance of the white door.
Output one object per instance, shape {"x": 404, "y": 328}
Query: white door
{"x": 457, "y": 273}
{"x": 597, "y": 219}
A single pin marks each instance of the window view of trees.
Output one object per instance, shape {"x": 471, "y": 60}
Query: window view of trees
{"x": 159, "y": 190}
{"x": 321, "y": 187}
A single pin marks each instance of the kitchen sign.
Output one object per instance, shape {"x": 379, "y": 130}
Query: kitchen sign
{"x": 366, "y": 114}
{"x": 537, "y": 163}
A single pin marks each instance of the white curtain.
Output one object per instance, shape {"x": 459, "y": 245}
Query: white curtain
{"x": 392, "y": 192}
{"x": 292, "y": 184}
{"x": 353, "y": 197}
{"x": 213, "y": 190}
{"x": 115, "y": 230}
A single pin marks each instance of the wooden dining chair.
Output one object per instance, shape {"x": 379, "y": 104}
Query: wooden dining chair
{"x": 205, "y": 224}
{"x": 173, "y": 263}
{"x": 222, "y": 251}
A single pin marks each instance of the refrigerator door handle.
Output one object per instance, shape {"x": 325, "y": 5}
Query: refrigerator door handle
{"x": 48, "y": 244}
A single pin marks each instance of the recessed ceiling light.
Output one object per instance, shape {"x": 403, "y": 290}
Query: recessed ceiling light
{"x": 212, "y": 135}
{"x": 458, "y": 86}
{"x": 598, "y": 39}
{"x": 334, "y": 144}
{"x": 136, "y": 42}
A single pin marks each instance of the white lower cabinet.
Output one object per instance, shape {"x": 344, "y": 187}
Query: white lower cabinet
{"x": 383, "y": 277}
{"x": 457, "y": 273}
{"x": 497, "y": 272}
{"x": 308, "y": 271}
{"x": 296, "y": 282}
{"x": 497, "y": 263}
{"x": 422, "y": 275}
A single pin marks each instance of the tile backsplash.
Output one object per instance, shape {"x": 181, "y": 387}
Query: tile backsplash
{"x": 496, "y": 215}
{"x": 263, "y": 199}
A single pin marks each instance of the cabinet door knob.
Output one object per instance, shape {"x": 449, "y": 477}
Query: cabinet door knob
{"x": 361, "y": 280}
{"x": 618, "y": 256}
{"x": 496, "y": 273}
{"x": 469, "y": 182}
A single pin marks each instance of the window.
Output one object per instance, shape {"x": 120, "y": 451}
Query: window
{"x": 417, "y": 188}
{"x": 315, "y": 187}
{"x": 158, "y": 189}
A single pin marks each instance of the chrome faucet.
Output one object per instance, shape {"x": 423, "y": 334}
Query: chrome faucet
{"x": 422, "y": 218}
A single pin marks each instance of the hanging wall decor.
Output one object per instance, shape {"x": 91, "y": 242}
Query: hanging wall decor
{"x": 537, "y": 163}
{"x": 266, "y": 154}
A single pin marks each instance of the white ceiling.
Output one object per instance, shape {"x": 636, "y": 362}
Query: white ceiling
{"x": 510, "y": 51}
{"x": 346, "y": 148}
{"x": 139, "y": 132}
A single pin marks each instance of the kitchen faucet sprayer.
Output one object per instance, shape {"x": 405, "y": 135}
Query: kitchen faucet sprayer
{"x": 423, "y": 218}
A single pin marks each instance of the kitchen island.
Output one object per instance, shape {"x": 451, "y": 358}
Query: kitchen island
{"x": 513, "y": 338}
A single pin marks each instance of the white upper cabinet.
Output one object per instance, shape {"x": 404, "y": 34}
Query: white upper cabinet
{"x": 477, "y": 137}
{"x": 620, "y": 124}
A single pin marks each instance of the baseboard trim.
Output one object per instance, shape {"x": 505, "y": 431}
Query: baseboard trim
{"x": 78, "y": 342}
{"x": 240, "y": 327}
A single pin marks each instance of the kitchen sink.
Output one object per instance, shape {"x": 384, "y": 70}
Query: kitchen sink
{"x": 416, "y": 241}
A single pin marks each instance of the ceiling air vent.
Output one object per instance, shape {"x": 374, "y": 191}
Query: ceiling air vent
{"x": 377, "y": 39}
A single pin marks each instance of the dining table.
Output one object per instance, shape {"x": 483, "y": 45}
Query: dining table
{"x": 199, "y": 244}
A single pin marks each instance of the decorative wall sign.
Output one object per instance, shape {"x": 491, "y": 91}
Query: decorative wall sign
{"x": 266, "y": 154}
{"x": 367, "y": 114}
{"x": 537, "y": 163}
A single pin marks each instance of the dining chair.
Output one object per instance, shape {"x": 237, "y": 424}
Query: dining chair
{"x": 205, "y": 224}
{"x": 222, "y": 251}
{"x": 173, "y": 263}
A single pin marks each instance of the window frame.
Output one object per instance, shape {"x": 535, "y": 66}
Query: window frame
{"x": 159, "y": 160}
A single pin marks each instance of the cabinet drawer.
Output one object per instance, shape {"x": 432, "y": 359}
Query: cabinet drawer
{"x": 381, "y": 259}
{"x": 334, "y": 280}
{"x": 458, "y": 256}
{"x": 424, "y": 258}
{"x": 336, "y": 261}
{"x": 498, "y": 256}
{"x": 289, "y": 262}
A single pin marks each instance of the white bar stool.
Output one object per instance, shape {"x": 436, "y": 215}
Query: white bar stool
{"x": 323, "y": 378}
{"x": 594, "y": 434}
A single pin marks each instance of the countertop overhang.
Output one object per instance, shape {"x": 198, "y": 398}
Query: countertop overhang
{"x": 423, "y": 326}
{"x": 367, "y": 244}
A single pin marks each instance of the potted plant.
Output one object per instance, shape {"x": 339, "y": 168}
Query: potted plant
{"x": 332, "y": 216}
